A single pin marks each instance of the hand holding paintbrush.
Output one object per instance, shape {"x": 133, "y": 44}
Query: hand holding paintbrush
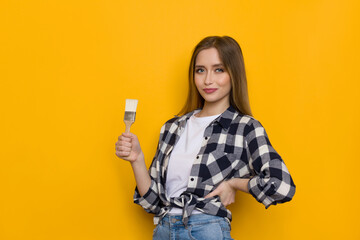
{"x": 128, "y": 146}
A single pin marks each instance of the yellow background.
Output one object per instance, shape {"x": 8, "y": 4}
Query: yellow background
{"x": 66, "y": 68}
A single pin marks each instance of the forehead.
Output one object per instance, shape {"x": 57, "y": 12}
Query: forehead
{"x": 208, "y": 56}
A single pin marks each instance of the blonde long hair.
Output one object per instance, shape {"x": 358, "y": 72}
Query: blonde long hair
{"x": 231, "y": 56}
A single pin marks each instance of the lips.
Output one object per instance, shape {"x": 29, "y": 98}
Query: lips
{"x": 209, "y": 90}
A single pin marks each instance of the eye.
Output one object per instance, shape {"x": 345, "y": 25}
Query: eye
{"x": 199, "y": 70}
{"x": 219, "y": 70}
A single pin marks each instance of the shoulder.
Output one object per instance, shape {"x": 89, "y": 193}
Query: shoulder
{"x": 246, "y": 124}
{"x": 168, "y": 124}
{"x": 178, "y": 119}
{"x": 247, "y": 120}
{"x": 173, "y": 123}
{"x": 172, "y": 120}
{"x": 244, "y": 119}
{"x": 252, "y": 128}
{"x": 234, "y": 118}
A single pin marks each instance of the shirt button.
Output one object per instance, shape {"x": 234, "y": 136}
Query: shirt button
{"x": 197, "y": 157}
{"x": 206, "y": 138}
{"x": 192, "y": 179}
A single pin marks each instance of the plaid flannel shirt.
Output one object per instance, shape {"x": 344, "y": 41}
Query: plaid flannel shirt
{"x": 234, "y": 146}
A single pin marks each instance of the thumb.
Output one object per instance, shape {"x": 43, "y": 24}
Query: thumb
{"x": 131, "y": 136}
{"x": 128, "y": 134}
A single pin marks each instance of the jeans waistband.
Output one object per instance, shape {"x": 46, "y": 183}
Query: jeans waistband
{"x": 193, "y": 219}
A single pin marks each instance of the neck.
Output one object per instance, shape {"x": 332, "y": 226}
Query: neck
{"x": 211, "y": 109}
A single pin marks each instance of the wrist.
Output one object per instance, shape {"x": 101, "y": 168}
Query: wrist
{"x": 239, "y": 184}
{"x": 231, "y": 183}
{"x": 139, "y": 159}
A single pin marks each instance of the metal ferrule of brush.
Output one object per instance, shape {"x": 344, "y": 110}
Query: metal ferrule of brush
{"x": 129, "y": 116}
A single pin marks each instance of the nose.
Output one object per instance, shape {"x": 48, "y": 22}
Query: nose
{"x": 208, "y": 79}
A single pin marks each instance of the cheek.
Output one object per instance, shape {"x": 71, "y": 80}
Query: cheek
{"x": 197, "y": 81}
{"x": 225, "y": 81}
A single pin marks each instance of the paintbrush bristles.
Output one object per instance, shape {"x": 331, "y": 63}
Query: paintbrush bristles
{"x": 130, "y": 113}
{"x": 131, "y": 105}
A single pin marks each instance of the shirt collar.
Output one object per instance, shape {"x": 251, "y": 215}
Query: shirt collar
{"x": 224, "y": 119}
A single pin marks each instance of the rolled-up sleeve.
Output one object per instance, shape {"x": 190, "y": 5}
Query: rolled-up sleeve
{"x": 272, "y": 182}
{"x": 150, "y": 200}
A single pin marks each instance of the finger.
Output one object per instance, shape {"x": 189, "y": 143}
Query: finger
{"x": 124, "y": 138}
{"x": 123, "y": 148}
{"x": 131, "y": 136}
{"x": 212, "y": 194}
{"x": 125, "y": 144}
{"x": 122, "y": 155}
{"x": 127, "y": 134}
{"x": 226, "y": 203}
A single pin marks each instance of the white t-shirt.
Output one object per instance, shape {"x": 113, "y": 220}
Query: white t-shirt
{"x": 183, "y": 155}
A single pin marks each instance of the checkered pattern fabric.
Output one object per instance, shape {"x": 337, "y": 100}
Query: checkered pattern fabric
{"x": 234, "y": 146}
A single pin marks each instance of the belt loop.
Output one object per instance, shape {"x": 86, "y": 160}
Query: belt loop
{"x": 228, "y": 222}
{"x": 156, "y": 220}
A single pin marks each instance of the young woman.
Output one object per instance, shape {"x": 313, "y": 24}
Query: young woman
{"x": 204, "y": 156}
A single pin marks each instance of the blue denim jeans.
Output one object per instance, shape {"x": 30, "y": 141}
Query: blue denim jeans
{"x": 200, "y": 227}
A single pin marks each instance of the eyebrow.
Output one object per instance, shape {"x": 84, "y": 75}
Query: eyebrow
{"x": 215, "y": 65}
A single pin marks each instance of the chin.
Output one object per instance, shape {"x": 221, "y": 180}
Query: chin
{"x": 214, "y": 99}
{"x": 211, "y": 99}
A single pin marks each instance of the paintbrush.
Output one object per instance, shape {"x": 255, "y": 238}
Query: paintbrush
{"x": 130, "y": 112}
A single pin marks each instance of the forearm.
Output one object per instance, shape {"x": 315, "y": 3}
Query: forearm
{"x": 141, "y": 174}
{"x": 240, "y": 184}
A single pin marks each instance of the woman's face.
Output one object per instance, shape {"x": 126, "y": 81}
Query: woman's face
{"x": 211, "y": 79}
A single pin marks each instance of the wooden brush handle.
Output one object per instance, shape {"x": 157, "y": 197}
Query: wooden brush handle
{"x": 127, "y": 126}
